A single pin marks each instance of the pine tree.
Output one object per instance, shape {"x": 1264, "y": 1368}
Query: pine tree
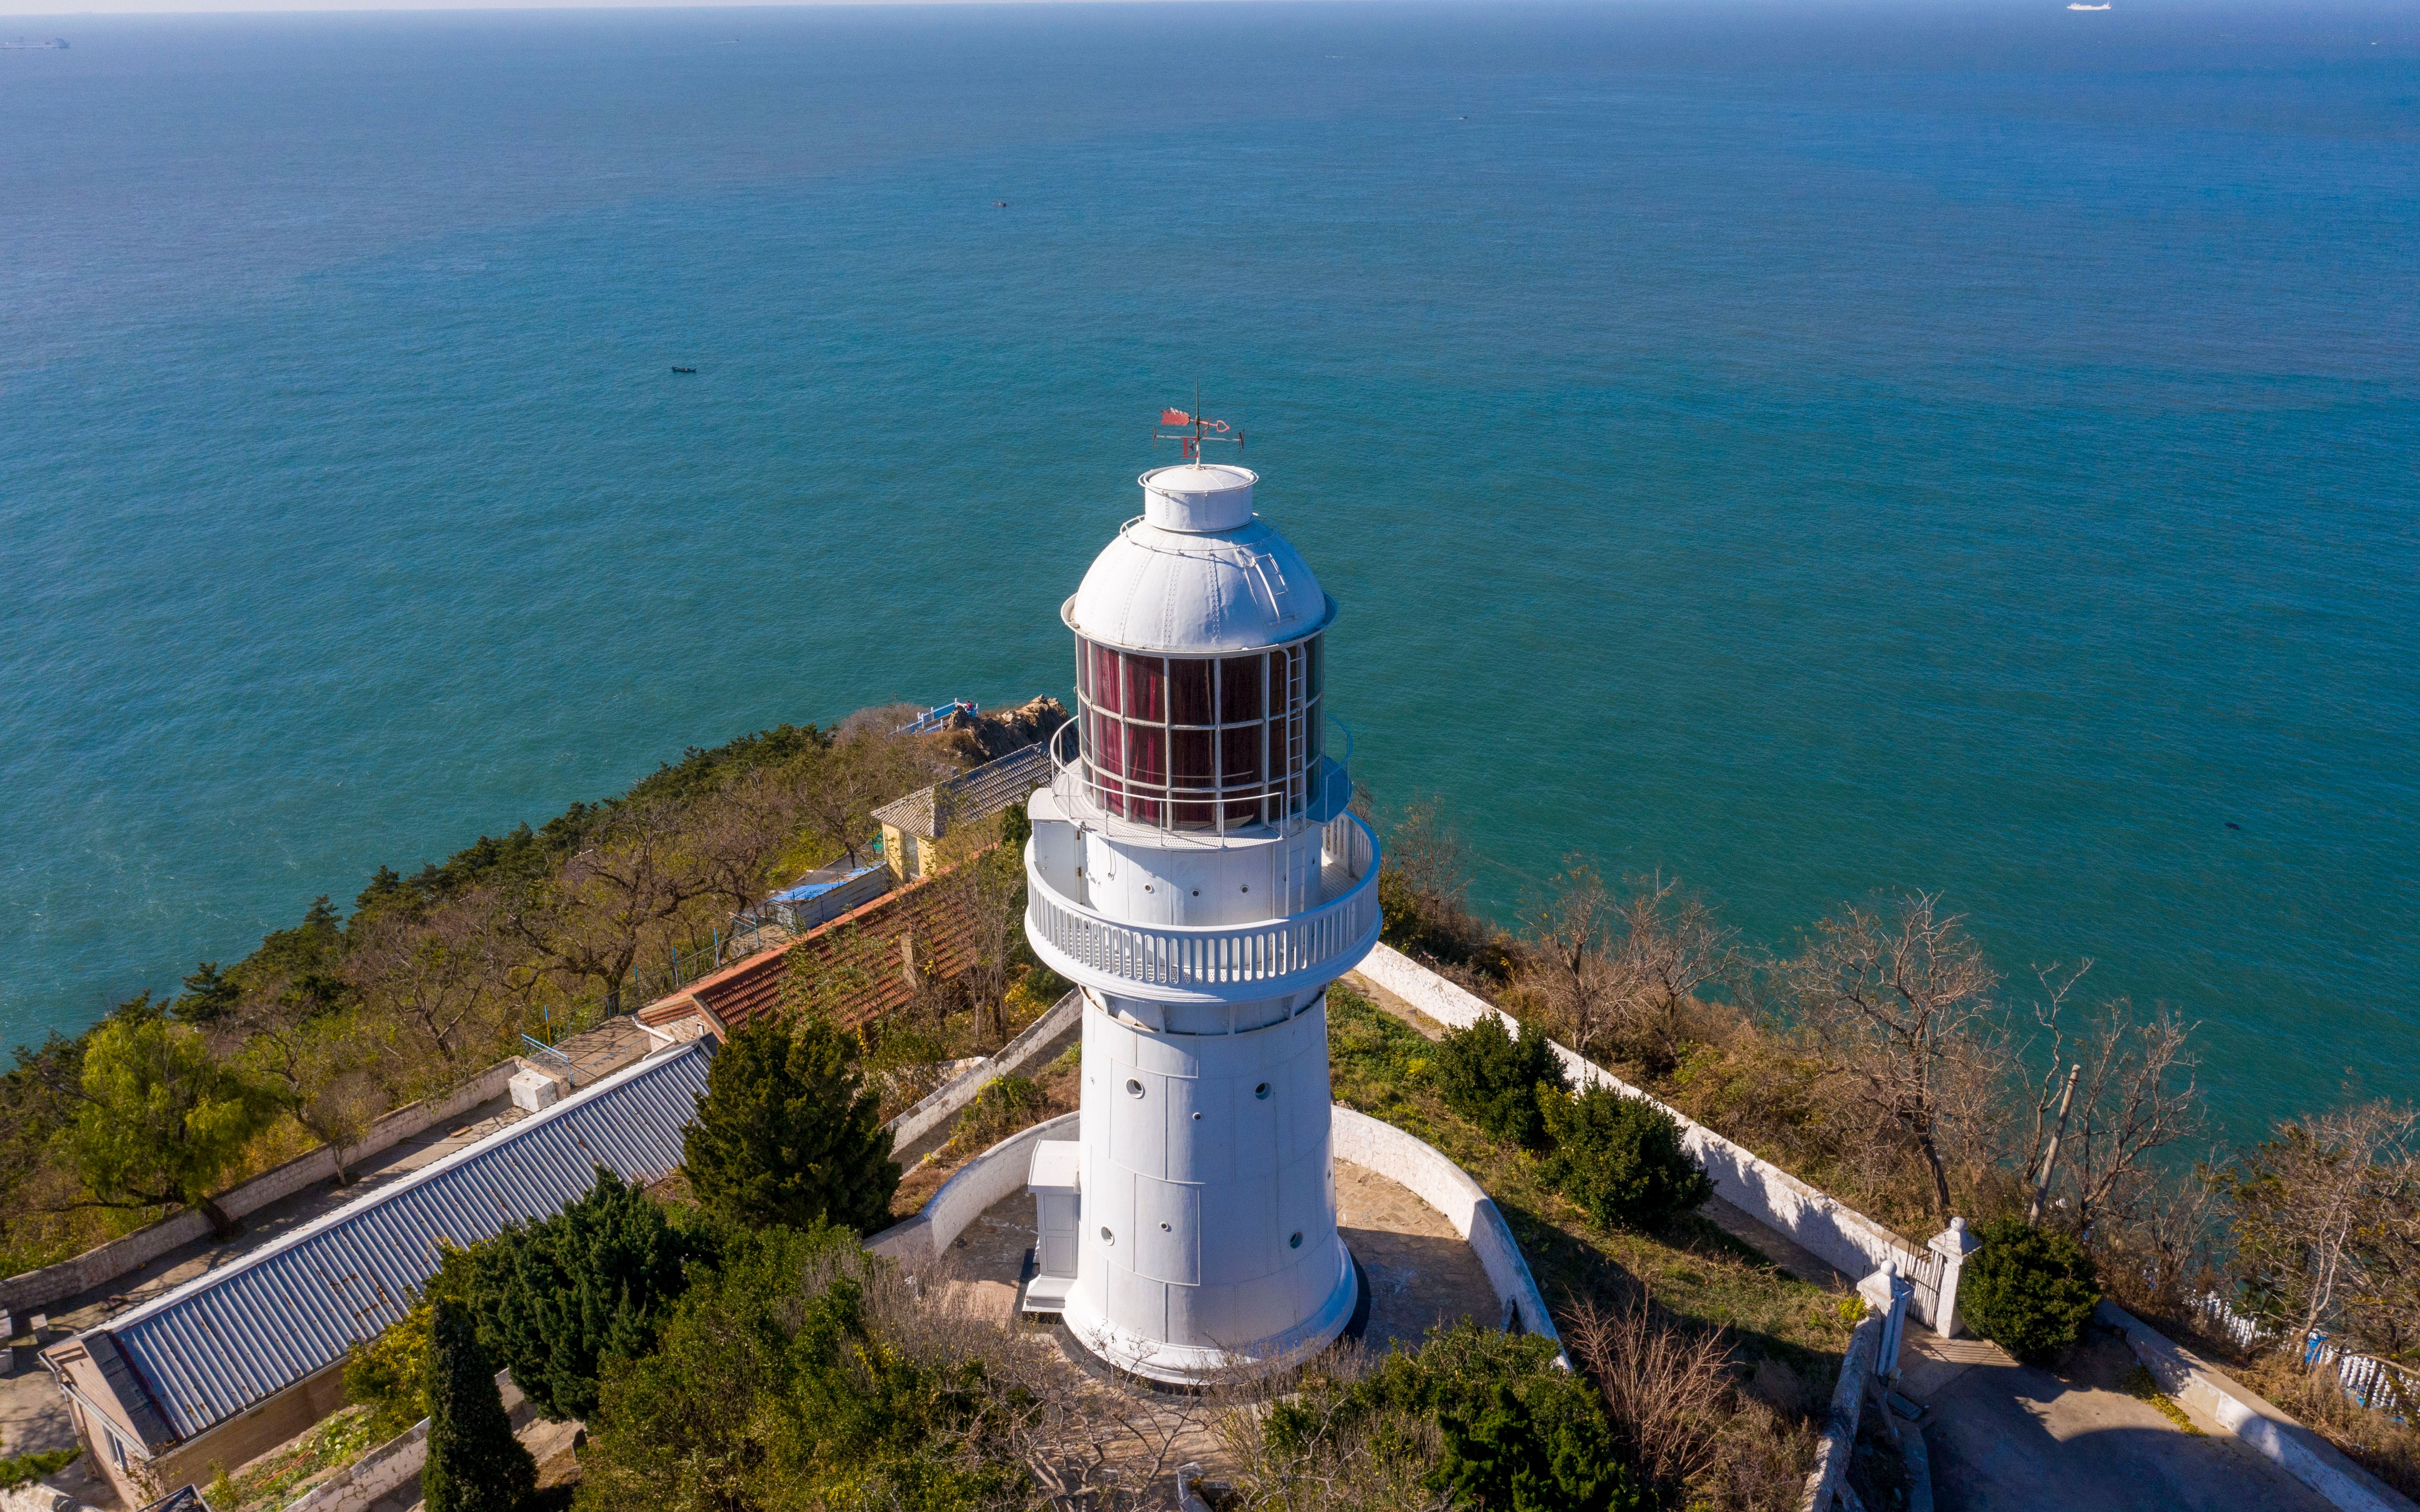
{"x": 787, "y": 1134}
{"x": 475, "y": 1463}
{"x": 585, "y": 1285}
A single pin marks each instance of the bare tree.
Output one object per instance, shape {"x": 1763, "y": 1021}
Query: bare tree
{"x": 2324, "y": 1216}
{"x": 625, "y": 892}
{"x": 438, "y": 989}
{"x": 1901, "y": 1003}
{"x": 1569, "y": 978}
{"x": 2134, "y": 1093}
{"x": 1669, "y": 946}
{"x": 739, "y": 830}
{"x": 988, "y": 889}
{"x": 323, "y": 1067}
{"x": 865, "y": 767}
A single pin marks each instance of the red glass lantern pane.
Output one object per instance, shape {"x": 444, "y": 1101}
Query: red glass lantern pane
{"x": 1105, "y": 679}
{"x": 1240, "y": 681}
{"x": 1189, "y": 692}
{"x": 1146, "y": 687}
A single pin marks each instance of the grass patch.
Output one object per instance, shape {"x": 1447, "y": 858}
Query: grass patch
{"x": 1380, "y": 1065}
{"x": 280, "y": 1476}
{"x": 2142, "y": 1385}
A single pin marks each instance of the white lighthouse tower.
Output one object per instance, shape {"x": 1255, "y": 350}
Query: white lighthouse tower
{"x": 1194, "y": 870}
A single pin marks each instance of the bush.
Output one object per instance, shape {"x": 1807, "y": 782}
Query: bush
{"x": 1620, "y": 1159}
{"x": 389, "y": 1375}
{"x": 787, "y": 1134}
{"x": 1515, "y": 1431}
{"x": 1493, "y": 1080}
{"x": 24, "y": 1467}
{"x": 1002, "y": 1107}
{"x": 2028, "y": 1290}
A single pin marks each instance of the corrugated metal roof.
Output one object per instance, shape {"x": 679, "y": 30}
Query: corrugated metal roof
{"x": 233, "y": 1337}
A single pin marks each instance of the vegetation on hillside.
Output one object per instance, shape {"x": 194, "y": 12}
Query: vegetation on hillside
{"x": 436, "y": 974}
{"x": 1889, "y": 1061}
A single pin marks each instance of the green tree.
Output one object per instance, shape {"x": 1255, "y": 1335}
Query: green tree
{"x": 588, "y": 1285}
{"x": 777, "y": 1383}
{"x": 2029, "y": 1290}
{"x": 475, "y": 1463}
{"x": 161, "y": 1120}
{"x": 1495, "y": 1080}
{"x": 787, "y": 1134}
{"x": 1620, "y": 1158}
{"x": 209, "y": 997}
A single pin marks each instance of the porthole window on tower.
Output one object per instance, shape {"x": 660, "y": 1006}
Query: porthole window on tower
{"x": 1134, "y": 1087}
{"x": 1201, "y": 742}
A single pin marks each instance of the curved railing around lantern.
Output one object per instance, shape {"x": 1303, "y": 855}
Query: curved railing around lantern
{"x": 1220, "y": 963}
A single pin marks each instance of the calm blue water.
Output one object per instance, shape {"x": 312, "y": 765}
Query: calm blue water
{"x": 1809, "y": 450}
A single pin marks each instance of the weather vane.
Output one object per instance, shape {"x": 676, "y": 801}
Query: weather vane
{"x": 1190, "y": 431}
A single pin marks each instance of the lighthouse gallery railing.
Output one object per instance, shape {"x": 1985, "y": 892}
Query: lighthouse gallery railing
{"x": 1223, "y": 955}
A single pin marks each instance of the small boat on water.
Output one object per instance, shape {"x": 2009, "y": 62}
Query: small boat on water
{"x": 23, "y": 44}
{"x": 679, "y": 369}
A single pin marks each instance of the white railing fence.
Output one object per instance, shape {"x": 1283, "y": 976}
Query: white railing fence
{"x": 1213, "y": 956}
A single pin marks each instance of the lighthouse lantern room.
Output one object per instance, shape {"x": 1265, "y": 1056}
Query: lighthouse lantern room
{"x": 1194, "y": 870}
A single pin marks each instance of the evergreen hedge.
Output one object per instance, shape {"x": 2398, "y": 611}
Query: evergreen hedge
{"x": 1496, "y": 1081}
{"x": 2028, "y": 1290}
{"x": 1620, "y": 1159}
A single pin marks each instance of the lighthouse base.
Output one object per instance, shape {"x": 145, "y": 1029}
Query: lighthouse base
{"x": 1190, "y": 1365}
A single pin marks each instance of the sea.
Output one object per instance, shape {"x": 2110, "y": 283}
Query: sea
{"x": 1813, "y": 451}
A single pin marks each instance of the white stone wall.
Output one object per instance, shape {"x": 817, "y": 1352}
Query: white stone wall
{"x": 1832, "y": 1231}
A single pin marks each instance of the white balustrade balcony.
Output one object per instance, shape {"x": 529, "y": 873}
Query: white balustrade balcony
{"x": 1220, "y": 963}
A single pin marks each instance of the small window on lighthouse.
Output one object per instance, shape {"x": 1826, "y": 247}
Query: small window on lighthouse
{"x": 1261, "y": 1091}
{"x": 1295, "y": 1243}
{"x": 1134, "y": 1088}
{"x": 1108, "y": 1238}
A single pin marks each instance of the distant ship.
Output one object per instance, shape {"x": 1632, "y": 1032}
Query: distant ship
{"x": 2088, "y": 7}
{"x": 26, "y": 44}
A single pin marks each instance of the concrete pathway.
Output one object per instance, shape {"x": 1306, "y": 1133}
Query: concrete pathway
{"x": 2006, "y": 1436}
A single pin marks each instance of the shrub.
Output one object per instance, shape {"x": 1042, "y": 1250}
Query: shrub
{"x": 1620, "y": 1159}
{"x": 2028, "y": 1290}
{"x": 389, "y": 1375}
{"x": 1515, "y": 1431}
{"x": 475, "y": 1463}
{"x": 787, "y": 1134}
{"x": 24, "y": 1467}
{"x": 1493, "y": 1079}
{"x": 1002, "y": 1107}
{"x": 585, "y": 1286}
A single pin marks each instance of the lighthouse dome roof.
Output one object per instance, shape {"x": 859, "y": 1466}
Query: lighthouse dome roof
{"x": 1167, "y": 583}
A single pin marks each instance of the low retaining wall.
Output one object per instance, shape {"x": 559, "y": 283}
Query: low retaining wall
{"x": 2267, "y": 1432}
{"x": 1837, "y": 1235}
{"x": 1014, "y": 1058}
{"x": 1001, "y": 1172}
{"x": 998, "y": 1172}
{"x": 1424, "y": 1170}
{"x": 1838, "y": 1444}
{"x": 31, "y": 1289}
